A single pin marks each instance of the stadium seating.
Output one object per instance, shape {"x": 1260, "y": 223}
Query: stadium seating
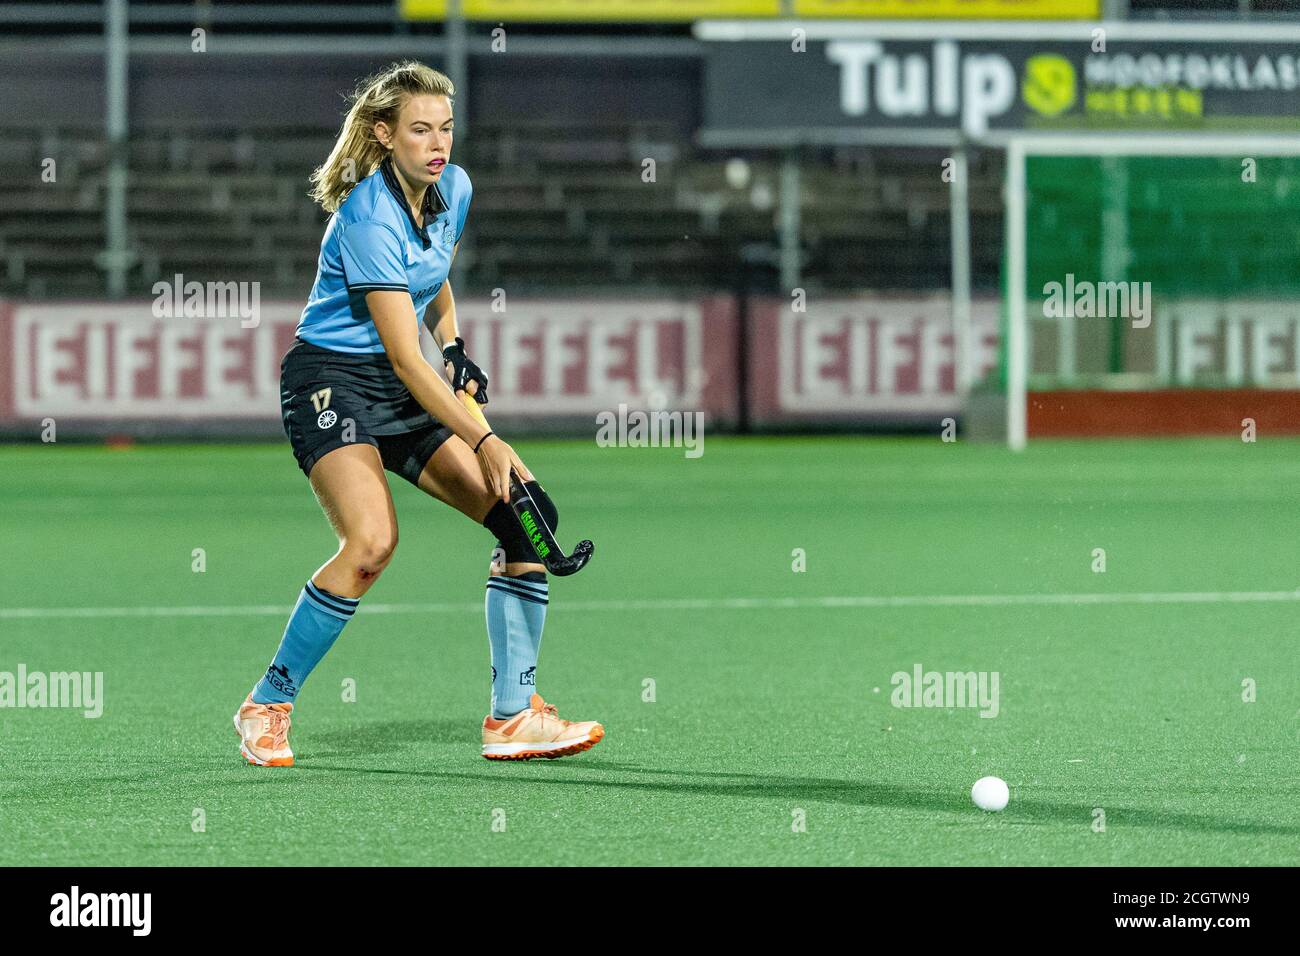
{"x": 570, "y": 212}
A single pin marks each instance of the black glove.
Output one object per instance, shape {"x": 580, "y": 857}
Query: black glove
{"x": 463, "y": 371}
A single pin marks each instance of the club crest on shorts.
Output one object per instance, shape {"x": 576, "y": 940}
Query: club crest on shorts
{"x": 327, "y": 419}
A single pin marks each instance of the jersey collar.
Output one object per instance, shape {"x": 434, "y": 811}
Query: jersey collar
{"x": 434, "y": 204}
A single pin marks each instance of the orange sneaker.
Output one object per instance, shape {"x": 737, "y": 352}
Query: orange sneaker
{"x": 264, "y": 732}
{"x": 537, "y": 732}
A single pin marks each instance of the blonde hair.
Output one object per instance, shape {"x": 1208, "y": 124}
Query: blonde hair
{"x": 378, "y": 98}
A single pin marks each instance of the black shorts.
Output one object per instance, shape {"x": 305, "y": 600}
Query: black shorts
{"x": 331, "y": 399}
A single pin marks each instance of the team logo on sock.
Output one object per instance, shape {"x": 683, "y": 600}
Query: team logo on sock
{"x": 327, "y": 418}
{"x": 278, "y": 677}
{"x": 529, "y": 676}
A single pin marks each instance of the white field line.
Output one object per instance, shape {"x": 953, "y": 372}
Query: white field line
{"x": 691, "y": 604}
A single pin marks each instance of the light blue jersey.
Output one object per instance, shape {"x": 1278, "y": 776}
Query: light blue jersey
{"x": 373, "y": 242}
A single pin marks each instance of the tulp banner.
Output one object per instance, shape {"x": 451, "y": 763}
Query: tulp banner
{"x": 557, "y": 360}
{"x": 949, "y": 9}
{"x": 979, "y": 88}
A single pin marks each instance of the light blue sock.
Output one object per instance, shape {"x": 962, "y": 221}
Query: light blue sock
{"x": 314, "y": 626}
{"x": 516, "y": 613}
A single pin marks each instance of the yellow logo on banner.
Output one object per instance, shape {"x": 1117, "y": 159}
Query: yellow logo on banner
{"x": 1048, "y": 85}
{"x": 632, "y": 10}
{"x": 950, "y": 9}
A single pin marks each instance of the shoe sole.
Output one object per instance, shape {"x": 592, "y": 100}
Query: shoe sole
{"x": 252, "y": 758}
{"x": 559, "y": 748}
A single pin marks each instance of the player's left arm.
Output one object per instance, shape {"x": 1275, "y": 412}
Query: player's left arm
{"x": 440, "y": 315}
{"x": 440, "y": 319}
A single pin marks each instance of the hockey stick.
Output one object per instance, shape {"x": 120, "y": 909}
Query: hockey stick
{"x": 531, "y": 520}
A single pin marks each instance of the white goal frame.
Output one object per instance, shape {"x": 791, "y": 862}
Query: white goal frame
{"x": 1019, "y": 148}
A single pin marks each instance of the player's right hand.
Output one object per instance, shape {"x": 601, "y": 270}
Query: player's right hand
{"x": 496, "y": 458}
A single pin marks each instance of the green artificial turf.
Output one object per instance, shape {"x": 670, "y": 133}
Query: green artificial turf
{"x": 761, "y": 708}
